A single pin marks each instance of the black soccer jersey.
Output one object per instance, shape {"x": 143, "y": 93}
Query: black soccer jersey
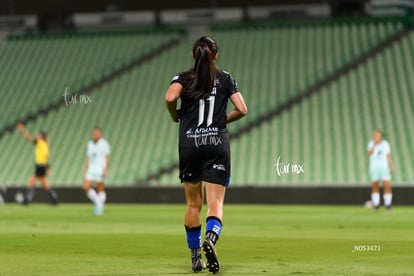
{"x": 202, "y": 120}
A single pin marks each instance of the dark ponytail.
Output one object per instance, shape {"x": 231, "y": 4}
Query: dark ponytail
{"x": 204, "y": 71}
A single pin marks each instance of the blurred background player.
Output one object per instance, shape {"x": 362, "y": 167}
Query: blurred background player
{"x": 380, "y": 169}
{"x": 3, "y": 191}
{"x": 41, "y": 165}
{"x": 95, "y": 169}
{"x": 204, "y": 149}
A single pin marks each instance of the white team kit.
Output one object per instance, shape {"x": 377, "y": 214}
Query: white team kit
{"x": 378, "y": 163}
{"x": 97, "y": 153}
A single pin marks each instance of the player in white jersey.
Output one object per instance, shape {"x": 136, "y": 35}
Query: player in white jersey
{"x": 380, "y": 169}
{"x": 95, "y": 169}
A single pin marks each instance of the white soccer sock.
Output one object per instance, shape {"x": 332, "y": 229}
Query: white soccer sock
{"x": 101, "y": 198}
{"x": 375, "y": 198}
{"x": 93, "y": 196}
{"x": 388, "y": 199}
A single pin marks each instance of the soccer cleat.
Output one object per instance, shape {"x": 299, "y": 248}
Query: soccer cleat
{"x": 198, "y": 264}
{"x": 55, "y": 202}
{"x": 388, "y": 208}
{"x": 209, "y": 250}
{"x": 97, "y": 211}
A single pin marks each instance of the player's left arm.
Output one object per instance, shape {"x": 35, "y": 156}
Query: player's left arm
{"x": 171, "y": 98}
{"x": 240, "y": 108}
{"x": 390, "y": 164}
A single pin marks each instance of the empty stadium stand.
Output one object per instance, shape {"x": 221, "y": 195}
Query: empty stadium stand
{"x": 326, "y": 133}
{"x": 331, "y": 146}
{"x": 39, "y": 68}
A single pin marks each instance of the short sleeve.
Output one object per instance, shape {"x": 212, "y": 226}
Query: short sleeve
{"x": 370, "y": 145}
{"x": 179, "y": 78}
{"x": 232, "y": 86}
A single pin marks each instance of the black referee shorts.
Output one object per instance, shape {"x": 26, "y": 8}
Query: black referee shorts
{"x": 40, "y": 170}
{"x": 210, "y": 163}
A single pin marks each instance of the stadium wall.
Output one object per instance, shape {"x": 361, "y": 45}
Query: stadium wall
{"x": 48, "y": 7}
{"x": 240, "y": 195}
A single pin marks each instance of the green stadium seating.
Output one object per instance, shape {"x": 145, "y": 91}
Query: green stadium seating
{"x": 273, "y": 64}
{"x": 38, "y": 69}
{"x": 327, "y": 134}
{"x": 307, "y": 134}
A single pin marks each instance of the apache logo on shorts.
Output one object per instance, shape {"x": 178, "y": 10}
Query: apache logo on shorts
{"x": 219, "y": 167}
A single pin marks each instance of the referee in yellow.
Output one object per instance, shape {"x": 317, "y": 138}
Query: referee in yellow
{"x": 41, "y": 165}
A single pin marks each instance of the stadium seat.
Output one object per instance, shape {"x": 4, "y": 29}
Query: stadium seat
{"x": 40, "y": 68}
{"x": 326, "y": 133}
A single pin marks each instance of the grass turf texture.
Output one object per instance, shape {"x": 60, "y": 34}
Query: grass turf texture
{"x": 256, "y": 240}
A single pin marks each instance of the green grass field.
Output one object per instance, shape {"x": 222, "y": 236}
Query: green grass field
{"x": 256, "y": 240}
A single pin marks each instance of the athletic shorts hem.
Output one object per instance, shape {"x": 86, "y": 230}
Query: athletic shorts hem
{"x": 41, "y": 170}
{"x": 380, "y": 174}
{"x": 225, "y": 184}
{"x": 94, "y": 177}
{"x": 195, "y": 180}
{"x": 380, "y": 179}
{"x": 190, "y": 180}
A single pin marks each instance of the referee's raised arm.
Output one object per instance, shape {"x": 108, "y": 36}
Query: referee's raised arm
{"x": 25, "y": 133}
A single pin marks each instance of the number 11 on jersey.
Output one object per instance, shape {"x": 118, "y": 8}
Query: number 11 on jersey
{"x": 201, "y": 109}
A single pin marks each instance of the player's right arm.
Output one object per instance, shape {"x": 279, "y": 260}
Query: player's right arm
{"x": 171, "y": 97}
{"x": 85, "y": 167}
{"x": 25, "y": 133}
{"x": 371, "y": 148}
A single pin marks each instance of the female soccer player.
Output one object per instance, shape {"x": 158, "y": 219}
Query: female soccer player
{"x": 204, "y": 150}
{"x": 95, "y": 170}
{"x": 380, "y": 166}
{"x": 41, "y": 165}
